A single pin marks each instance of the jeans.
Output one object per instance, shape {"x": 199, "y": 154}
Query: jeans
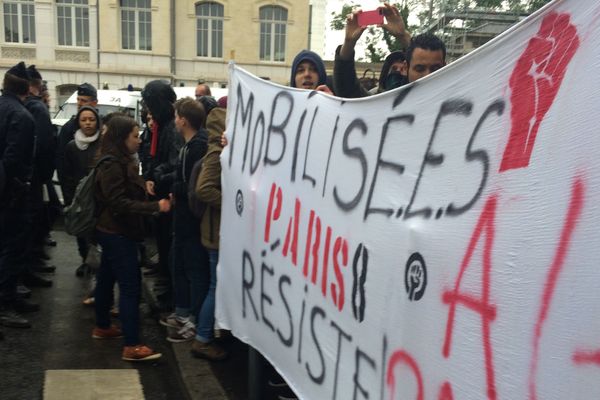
{"x": 206, "y": 317}
{"x": 190, "y": 278}
{"x": 119, "y": 263}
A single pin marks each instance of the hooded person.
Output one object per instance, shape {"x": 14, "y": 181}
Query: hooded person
{"x": 392, "y": 76}
{"x": 392, "y": 73}
{"x": 159, "y": 97}
{"x": 344, "y": 71}
{"x": 308, "y": 71}
{"x": 209, "y": 103}
{"x": 165, "y": 144}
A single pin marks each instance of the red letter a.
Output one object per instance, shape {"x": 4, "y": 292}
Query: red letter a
{"x": 485, "y": 225}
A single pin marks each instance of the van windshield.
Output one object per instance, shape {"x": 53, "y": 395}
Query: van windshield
{"x": 69, "y": 109}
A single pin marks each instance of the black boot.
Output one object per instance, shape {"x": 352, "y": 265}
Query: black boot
{"x": 24, "y": 306}
{"x": 35, "y": 280}
{"x": 23, "y": 291}
{"x": 44, "y": 268}
{"x": 11, "y": 319}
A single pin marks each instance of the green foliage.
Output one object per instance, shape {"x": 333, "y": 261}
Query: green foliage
{"x": 533, "y": 5}
{"x": 338, "y": 22}
{"x": 374, "y": 38}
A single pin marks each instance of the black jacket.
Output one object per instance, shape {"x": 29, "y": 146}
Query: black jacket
{"x": 144, "y": 151}
{"x": 161, "y": 167}
{"x": 345, "y": 83}
{"x": 77, "y": 164}
{"x": 184, "y": 222}
{"x": 16, "y": 142}
{"x": 67, "y": 133}
{"x": 45, "y": 139}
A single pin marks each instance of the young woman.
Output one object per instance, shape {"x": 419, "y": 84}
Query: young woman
{"x": 121, "y": 197}
{"x": 79, "y": 159}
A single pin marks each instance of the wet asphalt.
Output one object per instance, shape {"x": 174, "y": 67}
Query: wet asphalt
{"x": 61, "y": 338}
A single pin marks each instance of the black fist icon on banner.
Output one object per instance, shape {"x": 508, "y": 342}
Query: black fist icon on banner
{"x": 415, "y": 277}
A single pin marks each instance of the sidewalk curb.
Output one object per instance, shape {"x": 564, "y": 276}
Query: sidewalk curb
{"x": 196, "y": 375}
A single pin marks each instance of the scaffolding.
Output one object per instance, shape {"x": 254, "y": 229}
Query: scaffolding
{"x": 464, "y": 31}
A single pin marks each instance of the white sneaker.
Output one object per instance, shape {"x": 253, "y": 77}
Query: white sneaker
{"x": 174, "y": 321}
{"x": 184, "y": 334}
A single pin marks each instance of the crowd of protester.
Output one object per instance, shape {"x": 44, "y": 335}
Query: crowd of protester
{"x": 169, "y": 175}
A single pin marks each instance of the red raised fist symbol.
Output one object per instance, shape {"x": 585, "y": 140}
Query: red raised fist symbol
{"x": 534, "y": 84}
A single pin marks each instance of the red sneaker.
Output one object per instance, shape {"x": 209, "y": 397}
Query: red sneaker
{"x": 139, "y": 353}
{"x": 107, "y": 333}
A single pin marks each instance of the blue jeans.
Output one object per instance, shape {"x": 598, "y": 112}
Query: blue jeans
{"x": 190, "y": 278}
{"x": 119, "y": 263}
{"x": 206, "y": 317}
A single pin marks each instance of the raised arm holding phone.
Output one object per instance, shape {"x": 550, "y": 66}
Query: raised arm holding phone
{"x": 345, "y": 82}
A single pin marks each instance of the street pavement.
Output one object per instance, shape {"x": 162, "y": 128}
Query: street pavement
{"x": 60, "y": 340}
{"x": 58, "y": 359}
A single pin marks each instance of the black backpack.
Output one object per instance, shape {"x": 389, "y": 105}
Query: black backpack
{"x": 80, "y": 216}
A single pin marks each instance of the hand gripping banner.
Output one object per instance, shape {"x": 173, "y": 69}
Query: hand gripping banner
{"x": 439, "y": 241}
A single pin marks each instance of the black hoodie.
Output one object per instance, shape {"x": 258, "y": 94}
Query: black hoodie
{"x": 159, "y": 96}
{"x": 185, "y": 223}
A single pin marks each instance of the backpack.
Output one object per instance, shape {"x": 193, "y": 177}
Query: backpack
{"x": 197, "y": 207}
{"x": 80, "y": 216}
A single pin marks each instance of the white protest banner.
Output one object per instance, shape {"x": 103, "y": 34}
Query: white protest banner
{"x": 440, "y": 241}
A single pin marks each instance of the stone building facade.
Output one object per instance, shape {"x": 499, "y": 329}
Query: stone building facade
{"x": 116, "y": 43}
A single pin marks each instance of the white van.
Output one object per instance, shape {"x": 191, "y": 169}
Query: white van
{"x": 108, "y": 101}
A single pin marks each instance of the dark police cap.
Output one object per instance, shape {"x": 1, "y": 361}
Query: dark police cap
{"x": 86, "y": 89}
{"x": 19, "y": 70}
{"x": 33, "y": 72}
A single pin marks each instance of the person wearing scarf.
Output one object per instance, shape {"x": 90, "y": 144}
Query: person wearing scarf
{"x": 80, "y": 158}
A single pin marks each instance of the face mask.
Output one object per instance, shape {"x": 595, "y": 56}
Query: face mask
{"x": 394, "y": 80}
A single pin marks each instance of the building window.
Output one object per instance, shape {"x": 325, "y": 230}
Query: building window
{"x": 273, "y": 20}
{"x": 19, "y": 21}
{"x": 73, "y": 22}
{"x": 136, "y": 25}
{"x": 209, "y": 30}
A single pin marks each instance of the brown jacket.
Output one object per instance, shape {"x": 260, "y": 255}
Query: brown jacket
{"x": 121, "y": 197}
{"x": 208, "y": 185}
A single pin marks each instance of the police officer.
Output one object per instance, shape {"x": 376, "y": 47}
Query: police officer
{"x": 43, "y": 168}
{"x": 16, "y": 154}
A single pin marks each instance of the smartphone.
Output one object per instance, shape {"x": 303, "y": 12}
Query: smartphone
{"x": 373, "y": 17}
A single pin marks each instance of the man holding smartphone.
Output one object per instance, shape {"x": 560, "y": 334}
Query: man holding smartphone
{"x": 393, "y": 72}
{"x": 426, "y": 54}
